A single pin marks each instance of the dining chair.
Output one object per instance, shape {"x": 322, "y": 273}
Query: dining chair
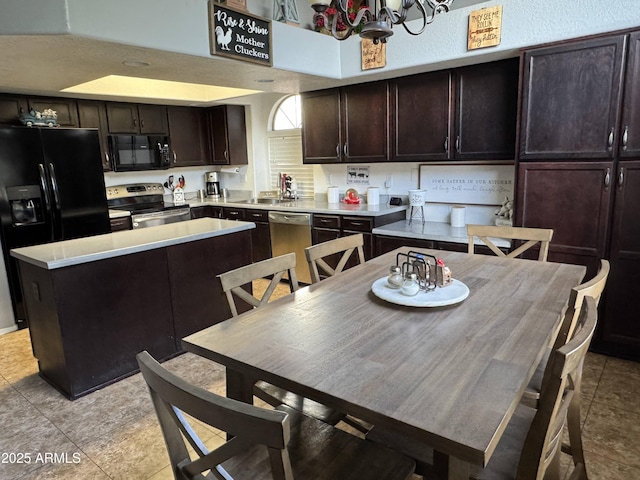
{"x": 282, "y": 444}
{"x": 232, "y": 283}
{"x": 531, "y": 237}
{"x": 317, "y": 255}
{"x": 531, "y": 397}
{"x": 530, "y": 445}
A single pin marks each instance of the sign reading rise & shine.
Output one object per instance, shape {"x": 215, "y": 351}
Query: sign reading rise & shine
{"x": 239, "y": 35}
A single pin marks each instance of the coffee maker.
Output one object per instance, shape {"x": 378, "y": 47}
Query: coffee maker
{"x": 212, "y": 184}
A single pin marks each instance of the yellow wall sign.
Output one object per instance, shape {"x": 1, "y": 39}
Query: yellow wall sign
{"x": 485, "y": 27}
{"x": 373, "y": 56}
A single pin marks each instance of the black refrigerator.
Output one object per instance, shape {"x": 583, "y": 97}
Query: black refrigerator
{"x": 51, "y": 188}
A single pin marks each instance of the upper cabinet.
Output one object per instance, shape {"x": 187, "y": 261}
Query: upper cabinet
{"x": 630, "y": 134}
{"x": 189, "y": 136}
{"x": 486, "y": 111}
{"x": 228, "y": 135}
{"x": 66, "y": 109}
{"x": 421, "y": 117}
{"x": 571, "y": 98}
{"x": 349, "y": 124}
{"x": 11, "y": 108}
{"x": 94, "y": 115}
{"x": 137, "y": 119}
{"x": 467, "y": 113}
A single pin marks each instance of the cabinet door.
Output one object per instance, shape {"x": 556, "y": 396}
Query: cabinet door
{"x": 570, "y": 100}
{"x": 122, "y": 118}
{"x": 189, "y": 136}
{"x": 66, "y": 109}
{"x": 630, "y": 135}
{"x": 153, "y": 119}
{"x": 11, "y": 108}
{"x": 321, "y": 127}
{"x": 486, "y": 105}
{"x": 421, "y": 113}
{"x": 620, "y": 325}
{"x": 365, "y": 110}
{"x": 229, "y": 135}
{"x": 573, "y": 199}
{"x": 94, "y": 115}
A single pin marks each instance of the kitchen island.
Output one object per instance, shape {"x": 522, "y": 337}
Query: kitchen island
{"x": 93, "y": 303}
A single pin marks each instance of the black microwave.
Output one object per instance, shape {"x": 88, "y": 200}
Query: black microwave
{"x": 131, "y": 153}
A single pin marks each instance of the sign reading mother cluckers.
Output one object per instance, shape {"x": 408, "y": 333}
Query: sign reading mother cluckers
{"x": 239, "y": 35}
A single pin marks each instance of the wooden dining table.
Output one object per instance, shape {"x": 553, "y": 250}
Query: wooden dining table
{"x": 449, "y": 377}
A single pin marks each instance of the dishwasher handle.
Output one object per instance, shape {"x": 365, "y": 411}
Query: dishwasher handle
{"x": 290, "y": 218}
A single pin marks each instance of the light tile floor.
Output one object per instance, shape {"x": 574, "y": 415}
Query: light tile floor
{"x": 113, "y": 433}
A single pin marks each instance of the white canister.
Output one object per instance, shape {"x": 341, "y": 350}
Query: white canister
{"x": 457, "y": 216}
{"x": 373, "y": 196}
{"x": 417, "y": 198}
{"x": 333, "y": 196}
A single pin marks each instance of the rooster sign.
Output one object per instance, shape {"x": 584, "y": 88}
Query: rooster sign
{"x": 223, "y": 39}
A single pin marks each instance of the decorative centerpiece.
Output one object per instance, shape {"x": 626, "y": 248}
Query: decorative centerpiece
{"x": 47, "y": 117}
{"x": 505, "y": 214}
{"x": 420, "y": 280}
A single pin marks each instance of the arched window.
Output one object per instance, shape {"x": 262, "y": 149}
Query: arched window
{"x": 285, "y": 146}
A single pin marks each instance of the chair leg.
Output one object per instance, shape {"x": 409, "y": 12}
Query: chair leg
{"x": 575, "y": 433}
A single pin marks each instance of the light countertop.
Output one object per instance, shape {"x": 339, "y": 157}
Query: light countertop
{"x": 119, "y": 213}
{"x": 442, "y": 232}
{"x": 89, "y": 249}
{"x": 306, "y": 206}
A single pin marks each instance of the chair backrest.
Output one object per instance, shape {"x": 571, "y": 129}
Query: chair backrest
{"x": 531, "y": 236}
{"x": 593, "y": 288}
{"x": 249, "y": 425}
{"x": 233, "y": 280}
{"x": 542, "y": 445}
{"x": 316, "y": 255}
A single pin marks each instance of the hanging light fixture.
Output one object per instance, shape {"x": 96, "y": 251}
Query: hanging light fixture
{"x": 373, "y": 23}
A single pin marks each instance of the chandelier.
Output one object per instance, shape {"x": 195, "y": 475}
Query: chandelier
{"x": 375, "y": 24}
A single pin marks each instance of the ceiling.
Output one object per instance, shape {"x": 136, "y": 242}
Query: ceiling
{"x": 47, "y": 64}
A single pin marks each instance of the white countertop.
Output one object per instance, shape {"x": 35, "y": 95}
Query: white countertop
{"x": 437, "y": 231}
{"x": 89, "y": 249}
{"x": 306, "y": 206}
{"x": 119, "y": 213}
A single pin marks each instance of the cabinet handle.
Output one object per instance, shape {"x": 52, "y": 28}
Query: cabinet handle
{"x": 106, "y": 159}
{"x": 255, "y": 215}
{"x": 458, "y": 144}
{"x": 226, "y": 155}
{"x": 620, "y": 177}
{"x": 135, "y": 123}
{"x": 625, "y": 137}
{"x": 344, "y": 149}
{"x": 607, "y": 178}
{"x": 142, "y": 123}
{"x": 324, "y": 221}
{"x": 446, "y": 144}
{"x": 357, "y": 224}
{"x": 175, "y": 157}
{"x": 611, "y": 138}
{"x": 338, "y": 149}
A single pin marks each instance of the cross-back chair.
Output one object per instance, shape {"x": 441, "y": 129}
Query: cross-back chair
{"x": 531, "y": 237}
{"x": 529, "y": 449}
{"x": 592, "y": 289}
{"x": 316, "y": 255}
{"x": 281, "y": 444}
{"x": 232, "y": 283}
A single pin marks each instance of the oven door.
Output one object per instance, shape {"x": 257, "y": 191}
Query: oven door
{"x": 152, "y": 219}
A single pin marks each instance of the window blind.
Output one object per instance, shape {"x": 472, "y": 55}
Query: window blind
{"x": 285, "y": 156}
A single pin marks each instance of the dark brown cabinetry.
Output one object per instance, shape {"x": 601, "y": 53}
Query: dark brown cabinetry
{"x": 486, "y": 111}
{"x": 228, "y": 135}
{"x": 579, "y": 169}
{"x": 11, "y": 108}
{"x": 137, "y": 119}
{"x": 188, "y": 130}
{"x": 206, "y": 211}
{"x": 66, "y": 109}
{"x": 573, "y": 198}
{"x": 261, "y": 235}
{"x": 233, "y": 213}
{"x": 384, "y": 244}
{"x": 120, "y": 223}
{"x": 570, "y": 102}
{"x": 421, "y": 117}
{"x": 94, "y": 115}
{"x": 620, "y": 325}
{"x": 349, "y": 124}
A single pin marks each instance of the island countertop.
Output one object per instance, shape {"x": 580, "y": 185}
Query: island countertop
{"x": 89, "y": 249}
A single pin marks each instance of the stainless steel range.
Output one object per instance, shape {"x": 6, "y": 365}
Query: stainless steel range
{"x": 145, "y": 201}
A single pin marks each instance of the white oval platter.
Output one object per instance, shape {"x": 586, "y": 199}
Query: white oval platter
{"x": 441, "y": 296}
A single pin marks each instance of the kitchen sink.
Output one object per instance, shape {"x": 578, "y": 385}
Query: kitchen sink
{"x": 265, "y": 201}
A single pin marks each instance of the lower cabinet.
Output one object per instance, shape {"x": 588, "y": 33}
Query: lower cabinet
{"x": 206, "y": 211}
{"x": 120, "y": 223}
{"x": 261, "y": 235}
{"x": 385, "y": 244}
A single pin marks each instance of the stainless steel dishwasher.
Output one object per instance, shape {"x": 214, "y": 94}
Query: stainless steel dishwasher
{"x": 291, "y": 232}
